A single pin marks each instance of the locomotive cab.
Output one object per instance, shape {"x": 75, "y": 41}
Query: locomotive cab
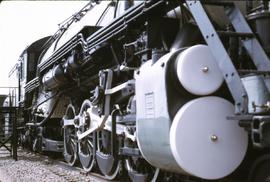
{"x": 27, "y": 71}
{"x": 28, "y": 83}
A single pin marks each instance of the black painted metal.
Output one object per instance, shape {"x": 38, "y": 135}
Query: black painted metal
{"x": 260, "y": 169}
{"x": 113, "y": 133}
{"x": 130, "y": 152}
{"x": 8, "y": 130}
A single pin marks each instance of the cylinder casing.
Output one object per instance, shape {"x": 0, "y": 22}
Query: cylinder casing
{"x": 54, "y": 78}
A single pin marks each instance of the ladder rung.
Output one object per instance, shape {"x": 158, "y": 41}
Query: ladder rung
{"x": 217, "y": 3}
{"x": 236, "y": 34}
{"x": 253, "y": 71}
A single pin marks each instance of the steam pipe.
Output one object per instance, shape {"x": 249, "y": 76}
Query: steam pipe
{"x": 48, "y": 117}
{"x": 42, "y": 102}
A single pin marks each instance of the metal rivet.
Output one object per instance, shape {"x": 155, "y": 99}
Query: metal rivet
{"x": 214, "y": 138}
{"x": 205, "y": 69}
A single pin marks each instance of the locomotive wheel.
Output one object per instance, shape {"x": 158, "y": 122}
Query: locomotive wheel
{"x": 70, "y": 154}
{"x": 139, "y": 170}
{"x": 85, "y": 146}
{"x": 109, "y": 165}
{"x": 260, "y": 171}
{"x": 86, "y": 155}
{"x": 70, "y": 147}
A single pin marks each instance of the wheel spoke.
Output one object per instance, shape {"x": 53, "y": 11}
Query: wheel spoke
{"x": 85, "y": 146}
{"x": 70, "y": 147}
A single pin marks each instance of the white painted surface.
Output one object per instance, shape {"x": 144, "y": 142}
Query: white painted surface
{"x": 190, "y": 138}
{"x": 198, "y": 71}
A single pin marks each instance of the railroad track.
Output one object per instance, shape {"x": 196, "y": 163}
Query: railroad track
{"x": 57, "y": 166}
{"x": 35, "y": 167}
{"x": 62, "y": 169}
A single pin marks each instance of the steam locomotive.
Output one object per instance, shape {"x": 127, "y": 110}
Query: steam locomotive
{"x": 157, "y": 90}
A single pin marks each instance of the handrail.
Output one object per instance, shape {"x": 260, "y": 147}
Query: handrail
{"x": 11, "y": 93}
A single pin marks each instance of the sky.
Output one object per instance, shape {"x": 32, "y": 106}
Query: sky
{"x": 23, "y": 22}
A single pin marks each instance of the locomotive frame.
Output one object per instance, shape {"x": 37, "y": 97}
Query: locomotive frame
{"x": 92, "y": 95}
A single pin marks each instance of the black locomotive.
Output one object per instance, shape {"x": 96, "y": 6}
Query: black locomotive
{"x": 159, "y": 90}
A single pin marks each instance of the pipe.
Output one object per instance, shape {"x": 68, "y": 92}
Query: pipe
{"x": 48, "y": 117}
{"x": 42, "y": 102}
{"x": 113, "y": 132}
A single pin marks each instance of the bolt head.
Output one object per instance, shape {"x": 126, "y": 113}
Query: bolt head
{"x": 214, "y": 138}
{"x": 205, "y": 69}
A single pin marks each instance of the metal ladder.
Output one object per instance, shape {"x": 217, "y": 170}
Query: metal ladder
{"x": 8, "y": 133}
{"x": 250, "y": 42}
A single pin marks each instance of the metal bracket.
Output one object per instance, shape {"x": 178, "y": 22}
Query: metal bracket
{"x": 260, "y": 131}
{"x": 220, "y": 54}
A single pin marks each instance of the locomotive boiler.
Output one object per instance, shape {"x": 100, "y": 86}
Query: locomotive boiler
{"x": 154, "y": 90}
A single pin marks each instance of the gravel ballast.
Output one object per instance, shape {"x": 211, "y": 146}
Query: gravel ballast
{"x": 33, "y": 167}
